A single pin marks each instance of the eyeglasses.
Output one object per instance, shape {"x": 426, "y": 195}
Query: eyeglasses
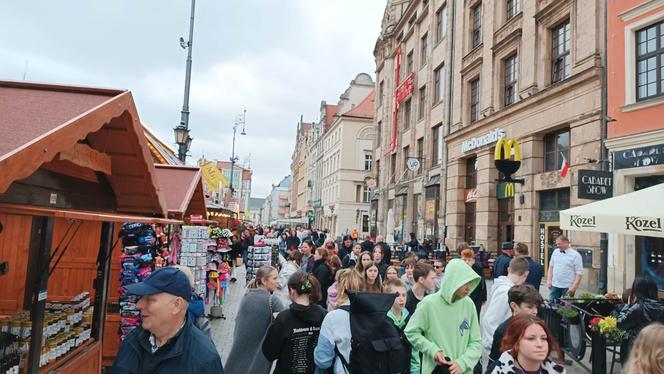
{"x": 437, "y": 266}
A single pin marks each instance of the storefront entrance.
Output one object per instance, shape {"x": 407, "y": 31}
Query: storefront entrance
{"x": 650, "y": 250}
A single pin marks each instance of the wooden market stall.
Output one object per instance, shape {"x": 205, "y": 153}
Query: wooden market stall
{"x": 74, "y": 162}
{"x": 182, "y": 188}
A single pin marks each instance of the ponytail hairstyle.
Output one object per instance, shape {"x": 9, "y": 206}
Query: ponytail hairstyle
{"x": 305, "y": 284}
{"x": 262, "y": 273}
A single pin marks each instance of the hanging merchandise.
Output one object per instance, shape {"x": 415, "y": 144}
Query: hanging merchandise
{"x": 259, "y": 255}
{"x": 141, "y": 245}
{"x": 193, "y": 253}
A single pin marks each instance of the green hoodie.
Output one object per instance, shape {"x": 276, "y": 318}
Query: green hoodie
{"x": 451, "y": 326}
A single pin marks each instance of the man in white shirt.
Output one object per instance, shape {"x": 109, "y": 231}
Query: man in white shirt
{"x": 565, "y": 270}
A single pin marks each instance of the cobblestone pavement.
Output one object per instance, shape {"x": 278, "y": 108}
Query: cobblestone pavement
{"x": 222, "y": 329}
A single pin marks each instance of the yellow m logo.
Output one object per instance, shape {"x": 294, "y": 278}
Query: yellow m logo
{"x": 509, "y": 189}
{"x": 506, "y": 149}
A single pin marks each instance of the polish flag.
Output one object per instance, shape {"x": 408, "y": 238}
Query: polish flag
{"x": 565, "y": 167}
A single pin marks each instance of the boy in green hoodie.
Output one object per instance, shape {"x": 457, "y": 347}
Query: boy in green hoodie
{"x": 445, "y": 327}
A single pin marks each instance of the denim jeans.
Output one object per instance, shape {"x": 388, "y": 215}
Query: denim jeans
{"x": 556, "y": 293}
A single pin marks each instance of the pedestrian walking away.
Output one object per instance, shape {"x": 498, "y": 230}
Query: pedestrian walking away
{"x": 503, "y": 260}
{"x": 291, "y": 266}
{"x": 565, "y": 270}
{"x": 535, "y": 270}
{"x": 167, "y": 340}
{"x": 255, "y": 313}
{"x": 292, "y": 336}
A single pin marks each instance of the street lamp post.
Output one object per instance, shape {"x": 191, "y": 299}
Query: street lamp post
{"x": 238, "y": 120}
{"x": 182, "y": 137}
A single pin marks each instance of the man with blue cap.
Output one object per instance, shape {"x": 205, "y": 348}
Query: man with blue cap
{"x": 167, "y": 342}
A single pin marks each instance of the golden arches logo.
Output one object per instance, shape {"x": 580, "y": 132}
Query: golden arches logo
{"x": 509, "y": 190}
{"x": 507, "y": 149}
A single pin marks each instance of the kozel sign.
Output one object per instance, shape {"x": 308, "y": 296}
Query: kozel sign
{"x": 480, "y": 141}
{"x": 580, "y": 221}
{"x": 640, "y": 224}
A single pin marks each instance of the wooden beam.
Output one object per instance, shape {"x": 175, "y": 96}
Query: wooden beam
{"x": 87, "y": 157}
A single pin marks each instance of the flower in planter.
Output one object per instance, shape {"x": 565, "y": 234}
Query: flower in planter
{"x": 608, "y": 328}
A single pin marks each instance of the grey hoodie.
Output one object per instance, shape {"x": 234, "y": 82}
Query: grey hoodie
{"x": 497, "y": 309}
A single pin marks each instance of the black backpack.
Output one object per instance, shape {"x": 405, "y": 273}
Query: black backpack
{"x": 377, "y": 345}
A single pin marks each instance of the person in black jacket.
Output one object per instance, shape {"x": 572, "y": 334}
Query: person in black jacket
{"x": 387, "y": 251}
{"x": 351, "y": 258}
{"x": 643, "y": 308}
{"x": 324, "y": 272}
{"x": 379, "y": 259}
{"x": 367, "y": 244}
{"x": 503, "y": 261}
{"x": 346, "y": 246}
{"x": 292, "y": 336}
{"x": 535, "y": 270}
{"x": 167, "y": 341}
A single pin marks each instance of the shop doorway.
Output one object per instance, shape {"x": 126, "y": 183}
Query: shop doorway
{"x": 505, "y": 222}
{"x": 548, "y": 233}
{"x": 650, "y": 250}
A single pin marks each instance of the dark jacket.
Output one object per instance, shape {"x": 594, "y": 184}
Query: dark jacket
{"x": 292, "y": 242}
{"x": 348, "y": 262}
{"x": 382, "y": 270}
{"x": 189, "y": 351}
{"x": 498, "y": 335}
{"x": 501, "y": 264}
{"x": 479, "y": 293}
{"x": 324, "y": 276}
{"x": 292, "y": 337}
{"x": 367, "y": 246}
{"x": 535, "y": 273}
{"x": 633, "y": 318}
{"x": 387, "y": 252}
{"x": 343, "y": 250}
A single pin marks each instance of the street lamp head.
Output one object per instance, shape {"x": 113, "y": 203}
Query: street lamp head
{"x": 183, "y": 44}
{"x": 188, "y": 143}
{"x": 181, "y": 134}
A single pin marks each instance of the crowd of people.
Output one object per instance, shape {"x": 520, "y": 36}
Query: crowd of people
{"x": 345, "y": 307}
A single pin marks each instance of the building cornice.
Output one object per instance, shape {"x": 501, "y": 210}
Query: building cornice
{"x": 640, "y": 10}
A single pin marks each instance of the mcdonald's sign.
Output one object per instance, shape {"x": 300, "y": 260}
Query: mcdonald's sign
{"x": 504, "y": 190}
{"x": 507, "y": 159}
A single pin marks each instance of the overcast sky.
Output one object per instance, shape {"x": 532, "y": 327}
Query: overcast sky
{"x": 277, "y": 59}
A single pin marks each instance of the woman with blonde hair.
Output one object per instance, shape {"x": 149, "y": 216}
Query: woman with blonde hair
{"x": 335, "y": 331}
{"x": 647, "y": 354}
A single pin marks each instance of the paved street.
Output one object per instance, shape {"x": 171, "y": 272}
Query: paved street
{"x": 222, "y": 329}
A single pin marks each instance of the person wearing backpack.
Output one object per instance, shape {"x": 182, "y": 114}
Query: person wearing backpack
{"x": 292, "y": 336}
{"x": 453, "y": 341}
{"x": 334, "y": 341}
{"x": 374, "y": 344}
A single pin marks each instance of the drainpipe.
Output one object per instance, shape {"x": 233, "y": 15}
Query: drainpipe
{"x": 604, "y": 154}
{"x": 450, "y": 63}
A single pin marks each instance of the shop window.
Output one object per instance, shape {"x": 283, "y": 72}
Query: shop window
{"x": 561, "y": 59}
{"x": 416, "y": 213}
{"x": 510, "y": 83}
{"x": 469, "y": 231}
{"x": 474, "y": 100}
{"x": 505, "y": 221}
{"x": 477, "y": 25}
{"x": 423, "y": 99}
{"x": 552, "y": 202}
{"x": 471, "y": 172}
{"x": 650, "y": 62}
{"x": 556, "y": 145}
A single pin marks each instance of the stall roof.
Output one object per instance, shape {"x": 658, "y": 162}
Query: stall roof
{"x": 81, "y": 214}
{"x": 182, "y": 187}
{"x": 41, "y": 121}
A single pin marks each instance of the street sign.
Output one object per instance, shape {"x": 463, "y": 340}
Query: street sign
{"x": 371, "y": 182}
{"x": 413, "y": 164}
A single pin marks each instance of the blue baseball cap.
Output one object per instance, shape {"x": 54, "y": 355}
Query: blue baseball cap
{"x": 170, "y": 280}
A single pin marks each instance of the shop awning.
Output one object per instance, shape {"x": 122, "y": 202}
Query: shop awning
{"x": 433, "y": 181}
{"x": 82, "y": 215}
{"x": 182, "y": 187}
{"x": 93, "y": 134}
{"x": 635, "y": 213}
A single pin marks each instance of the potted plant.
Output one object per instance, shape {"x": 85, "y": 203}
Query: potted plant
{"x": 568, "y": 312}
{"x": 607, "y": 327}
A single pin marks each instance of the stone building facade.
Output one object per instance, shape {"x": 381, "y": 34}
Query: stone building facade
{"x": 530, "y": 71}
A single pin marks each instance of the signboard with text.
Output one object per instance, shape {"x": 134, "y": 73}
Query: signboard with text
{"x": 595, "y": 184}
{"x": 638, "y": 157}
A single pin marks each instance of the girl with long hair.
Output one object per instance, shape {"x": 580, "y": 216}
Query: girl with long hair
{"x": 365, "y": 259}
{"x": 391, "y": 273}
{"x": 254, "y": 315}
{"x": 372, "y": 282}
{"x": 526, "y": 348}
{"x": 323, "y": 270}
{"x": 292, "y": 336}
